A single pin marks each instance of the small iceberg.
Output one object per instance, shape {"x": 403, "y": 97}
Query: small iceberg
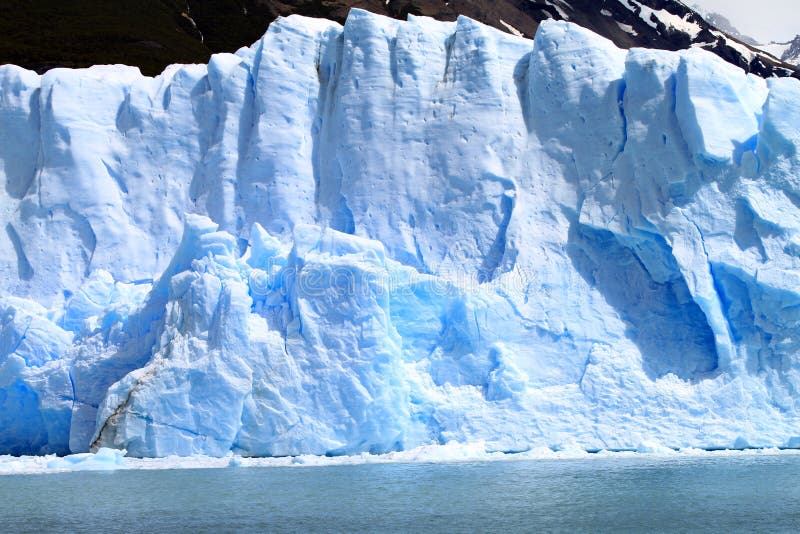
{"x": 104, "y": 459}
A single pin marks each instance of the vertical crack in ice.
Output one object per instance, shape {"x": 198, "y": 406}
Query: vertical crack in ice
{"x": 149, "y": 371}
{"x": 44, "y": 106}
{"x": 493, "y": 260}
{"x": 114, "y": 175}
{"x": 22, "y": 337}
{"x": 18, "y": 165}
{"x": 585, "y": 369}
{"x": 72, "y": 385}
{"x": 727, "y": 349}
{"x": 24, "y": 269}
{"x": 448, "y": 49}
{"x": 622, "y": 89}
{"x": 393, "y": 66}
{"x": 325, "y": 135}
{"x": 522, "y": 83}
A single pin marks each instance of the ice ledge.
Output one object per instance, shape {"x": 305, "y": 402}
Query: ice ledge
{"x": 112, "y": 460}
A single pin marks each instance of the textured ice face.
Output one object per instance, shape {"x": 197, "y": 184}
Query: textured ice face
{"x": 389, "y": 234}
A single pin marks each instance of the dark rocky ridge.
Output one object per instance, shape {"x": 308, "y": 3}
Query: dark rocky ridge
{"x": 154, "y": 33}
{"x": 792, "y": 53}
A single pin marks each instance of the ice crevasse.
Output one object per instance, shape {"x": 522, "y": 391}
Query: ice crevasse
{"x": 390, "y": 234}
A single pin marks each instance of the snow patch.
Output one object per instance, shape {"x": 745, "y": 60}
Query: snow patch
{"x": 627, "y": 28}
{"x": 511, "y": 28}
{"x": 647, "y": 14}
{"x": 559, "y": 6}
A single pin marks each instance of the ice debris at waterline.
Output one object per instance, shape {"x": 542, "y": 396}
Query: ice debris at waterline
{"x": 104, "y": 459}
{"x": 400, "y": 233}
{"x": 113, "y": 460}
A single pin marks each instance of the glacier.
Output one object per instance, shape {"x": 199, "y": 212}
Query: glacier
{"x": 384, "y": 235}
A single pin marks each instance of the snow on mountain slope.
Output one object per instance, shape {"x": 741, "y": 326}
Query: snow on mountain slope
{"x": 786, "y": 52}
{"x": 387, "y": 234}
{"x": 666, "y": 25}
{"x": 721, "y": 22}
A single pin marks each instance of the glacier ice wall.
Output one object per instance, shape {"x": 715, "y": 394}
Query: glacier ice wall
{"x": 387, "y": 234}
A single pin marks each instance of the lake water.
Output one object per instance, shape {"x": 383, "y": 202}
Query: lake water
{"x": 726, "y": 494}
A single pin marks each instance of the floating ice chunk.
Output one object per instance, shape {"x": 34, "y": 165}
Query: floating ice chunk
{"x": 654, "y": 447}
{"x": 103, "y": 460}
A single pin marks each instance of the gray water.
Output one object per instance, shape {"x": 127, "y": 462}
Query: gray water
{"x": 757, "y": 493}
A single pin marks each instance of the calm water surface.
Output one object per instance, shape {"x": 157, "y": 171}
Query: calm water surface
{"x": 758, "y": 493}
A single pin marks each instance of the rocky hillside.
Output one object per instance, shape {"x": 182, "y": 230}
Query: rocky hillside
{"x": 786, "y": 52}
{"x": 721, "y": 22}
{"x": 154, "y": 33}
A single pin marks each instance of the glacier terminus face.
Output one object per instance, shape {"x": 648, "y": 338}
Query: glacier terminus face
{"x": 390, "y": 234}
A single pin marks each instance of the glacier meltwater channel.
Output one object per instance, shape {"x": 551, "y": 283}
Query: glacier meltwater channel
{"x": 390, "y": 234}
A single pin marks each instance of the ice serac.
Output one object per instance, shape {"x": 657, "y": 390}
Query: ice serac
{"x": 389, "y": 234}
